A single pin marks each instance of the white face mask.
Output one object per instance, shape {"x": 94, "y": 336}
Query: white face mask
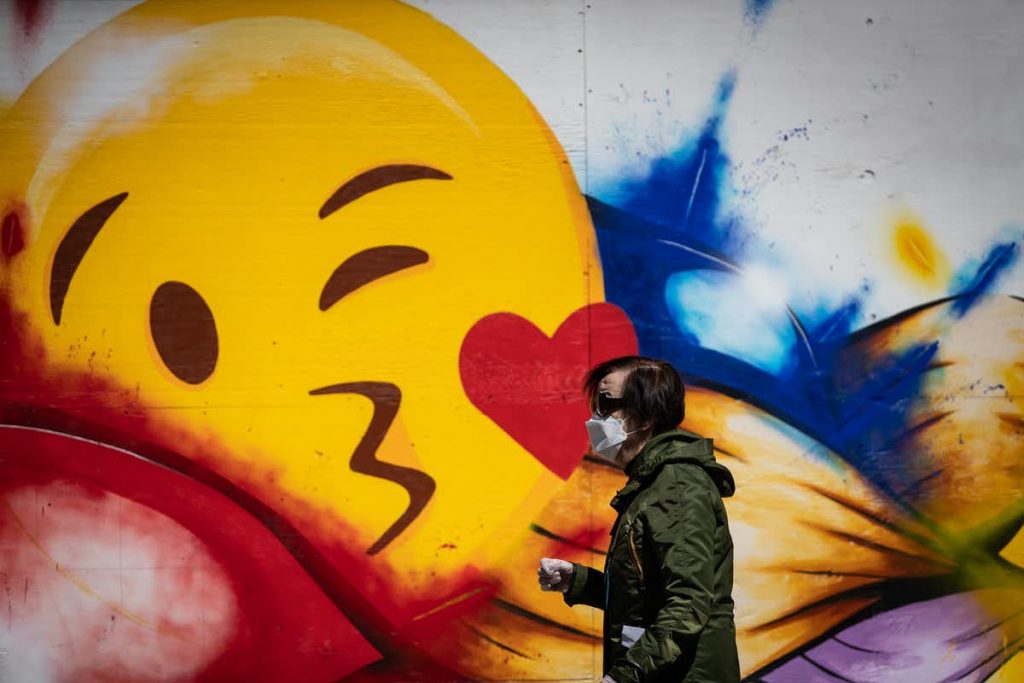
{"x": 607, "y": 434}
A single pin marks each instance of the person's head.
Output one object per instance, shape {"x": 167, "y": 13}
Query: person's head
{"x": 645, "y": 393}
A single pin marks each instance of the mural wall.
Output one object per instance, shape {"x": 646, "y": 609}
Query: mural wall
{"x": 296, "y": 298}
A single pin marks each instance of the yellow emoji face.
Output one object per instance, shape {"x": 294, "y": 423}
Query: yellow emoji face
{"x": 265, "y": 229}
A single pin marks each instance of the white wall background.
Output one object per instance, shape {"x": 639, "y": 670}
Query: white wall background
{"x": 927, "y": 95}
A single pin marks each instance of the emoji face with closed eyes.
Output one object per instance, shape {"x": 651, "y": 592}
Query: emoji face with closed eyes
{"x": 250, "y": 243}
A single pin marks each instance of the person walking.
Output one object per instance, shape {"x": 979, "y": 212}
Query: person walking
{"x": 666, "y": 586}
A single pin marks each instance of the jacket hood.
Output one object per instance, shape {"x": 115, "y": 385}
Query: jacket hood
{"x": 679, "y": 445}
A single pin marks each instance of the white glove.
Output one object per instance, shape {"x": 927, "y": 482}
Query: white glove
{"x": 555, "y": 575}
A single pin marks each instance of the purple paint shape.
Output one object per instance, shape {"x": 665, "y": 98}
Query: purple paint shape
{"x": 800, "y": 670}
{"x": 953, "y": 638}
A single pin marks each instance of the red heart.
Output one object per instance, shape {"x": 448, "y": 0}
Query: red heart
{"x": 530, "y": 384}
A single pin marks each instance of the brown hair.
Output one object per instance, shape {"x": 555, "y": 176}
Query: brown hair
{"x": 653, "y": 396}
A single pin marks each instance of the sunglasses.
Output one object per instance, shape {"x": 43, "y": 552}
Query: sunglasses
{"x": 605, "y": 405}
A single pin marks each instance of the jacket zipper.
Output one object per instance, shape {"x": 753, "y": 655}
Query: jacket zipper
{"x": 635, "y": 556}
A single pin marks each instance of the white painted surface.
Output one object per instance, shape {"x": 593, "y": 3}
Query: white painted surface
{"x": 913, "y": 107}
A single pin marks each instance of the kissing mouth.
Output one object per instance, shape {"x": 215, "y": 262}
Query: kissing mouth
{"x": 98, "y": 472}
{"x": 43, "y": 445}
{"x": 420, "y": 486}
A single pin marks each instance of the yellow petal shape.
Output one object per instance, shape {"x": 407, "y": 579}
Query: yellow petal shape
{"x": 812, "y": 535}
{"x": 813, "y": 541}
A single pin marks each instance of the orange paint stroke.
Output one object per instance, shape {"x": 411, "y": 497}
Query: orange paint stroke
{"x": 450, "y": 603}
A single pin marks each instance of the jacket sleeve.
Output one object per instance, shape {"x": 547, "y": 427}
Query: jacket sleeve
{"x": 587, "y": 587}
{"x": 681, "y": 530}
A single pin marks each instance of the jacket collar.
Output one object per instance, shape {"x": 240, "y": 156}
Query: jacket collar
{"x": 670, "y": 446}
{"x": 676, "y": 445}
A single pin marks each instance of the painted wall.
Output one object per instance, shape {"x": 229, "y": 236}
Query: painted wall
{"x": 295, "y": 298}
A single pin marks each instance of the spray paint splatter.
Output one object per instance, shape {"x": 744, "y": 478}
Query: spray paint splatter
{"x": 918, "y": 253}
{"x": 681, "y": 192}
{"x": 976, "y": 280}
{"x": 757, "y": 11}
{"x": 31, "y": 15}
{"x": 675, "y": 233}
{"x": 692, "y": 277}
{"x": 706, "y": 295}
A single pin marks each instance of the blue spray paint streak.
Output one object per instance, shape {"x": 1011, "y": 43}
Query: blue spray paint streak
{"x": 681, "y": 190}
{"x": 757, "y": 10}
{"x": 853, "y": 398}
{"x": 672, "y": 222}
{"x": 978, "y": 281}
{"x": 637, "y": 264}
{"x": 873, "y": 414}
{"x": 675, "y": 221}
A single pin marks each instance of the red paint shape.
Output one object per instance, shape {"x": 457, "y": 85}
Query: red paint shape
{"x": 285, "y": 622}
{"x": 31, "y": 14}
{"x": 404, "y": 670}
{"x": 530, "y": 384}
{"x": 12, "y": 235}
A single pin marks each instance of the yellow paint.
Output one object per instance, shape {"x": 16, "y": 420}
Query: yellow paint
{"x": 1011, "y": 672}
{"x": 918, "y": 254}
{"x": 1013, "y": 552}
{"x": 1013, "y": 379}
{"x": 228, "y": 126}
{"x": 797, "y": 572}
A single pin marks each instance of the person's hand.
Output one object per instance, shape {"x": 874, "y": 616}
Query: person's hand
{"x": 555, "y": 574}
{"x": 608, "y": 679}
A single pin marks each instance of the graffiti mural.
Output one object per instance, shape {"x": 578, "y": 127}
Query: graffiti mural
{"x": 875, "y": 447}
{"x": 295, "y": 300}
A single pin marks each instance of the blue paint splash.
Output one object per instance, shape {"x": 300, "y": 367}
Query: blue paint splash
{"x": 666, "y": 238}
{"x": 761, "y": 334}
{"x": 681, "y": 263}
{"x": 757, "y": 10}
{"x": 975, "y": 281}
{"x": 675, "y": 256}
{"x": 680, "y": 192}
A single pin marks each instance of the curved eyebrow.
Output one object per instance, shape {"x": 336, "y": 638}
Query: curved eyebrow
{"x": 367, "y": 266}
{"x": 375, "y": 179}
{"x": 72, "y": 249}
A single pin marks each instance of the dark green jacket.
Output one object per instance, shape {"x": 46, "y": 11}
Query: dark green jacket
{"x": 666, "y": 588}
